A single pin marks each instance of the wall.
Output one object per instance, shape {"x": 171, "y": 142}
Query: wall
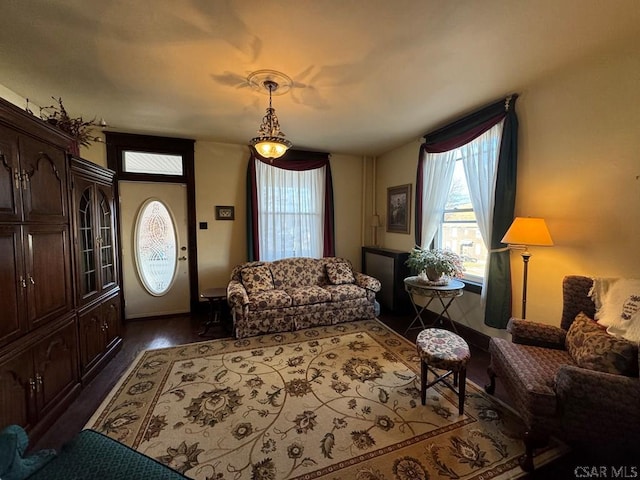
{"x": 13, "y": 97}
{"x": 220, "y": 180}
{"x": 96, "y": 152}
{"x": 220, "y": 171}
{"x": 579, "y": 168}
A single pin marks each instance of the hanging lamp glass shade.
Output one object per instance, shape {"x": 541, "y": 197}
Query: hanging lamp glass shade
{"x": 270, "y": 147}
{"x": 270, "y": 143}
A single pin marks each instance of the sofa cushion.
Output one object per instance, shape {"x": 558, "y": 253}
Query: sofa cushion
{"x": 298, "y": 272}
{"x": 340, "y": 293}
{"x": 593, "y": 348}
{"x": 257, "y": 279}
{"x": 340, "y": 273}
{"x": 308, "y": 295}
{"x": 269, "y": 299}
{"x": 530, "y": 374}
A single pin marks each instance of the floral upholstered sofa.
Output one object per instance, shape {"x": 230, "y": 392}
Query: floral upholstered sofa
{"x": 295, "y": 293}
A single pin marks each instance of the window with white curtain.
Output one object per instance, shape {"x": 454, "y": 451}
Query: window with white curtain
{"x": 464, "y": 222}
{"x": 290, "y": 212}
{"x": 458, "y": 230}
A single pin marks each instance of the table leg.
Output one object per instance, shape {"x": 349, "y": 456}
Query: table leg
{"x": 213, "y": 316}
{"x": 445, "y": 313}
{"x": 418, "y": 316}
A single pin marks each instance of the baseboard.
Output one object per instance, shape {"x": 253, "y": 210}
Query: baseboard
{"x": 474, "y": 337}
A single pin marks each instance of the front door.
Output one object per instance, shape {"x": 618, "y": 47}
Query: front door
{"x": 153, "y": 227}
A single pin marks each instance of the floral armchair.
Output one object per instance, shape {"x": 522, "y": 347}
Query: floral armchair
{"x": 574, "y": 381}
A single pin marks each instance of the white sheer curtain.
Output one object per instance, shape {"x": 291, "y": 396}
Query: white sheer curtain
{"x": 290, "y": 212}
{"x": 480, "y": 161}
{"x": 437, "y": 174}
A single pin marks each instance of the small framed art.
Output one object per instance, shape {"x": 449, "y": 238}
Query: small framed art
{"x": 399, "y": 208}
{"x": 224, "y": 212}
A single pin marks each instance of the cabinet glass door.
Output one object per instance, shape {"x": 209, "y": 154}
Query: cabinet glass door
{"x": 88, "y": 281}
{"x": 105, "y": 241}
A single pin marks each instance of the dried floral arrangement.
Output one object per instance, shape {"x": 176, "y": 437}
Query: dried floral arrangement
{"x": 78, "y": 128}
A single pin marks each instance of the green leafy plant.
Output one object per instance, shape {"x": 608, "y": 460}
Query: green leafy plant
{"x": 439, "y": 261}
{"x": 78, "y": 128}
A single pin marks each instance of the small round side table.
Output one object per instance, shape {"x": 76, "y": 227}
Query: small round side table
{"x": 215, "y": 296}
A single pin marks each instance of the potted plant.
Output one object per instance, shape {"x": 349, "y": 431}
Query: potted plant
{"x": 435, "y": 264}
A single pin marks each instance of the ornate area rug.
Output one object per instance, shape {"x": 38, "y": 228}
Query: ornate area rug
{"x": 337, "y": 402}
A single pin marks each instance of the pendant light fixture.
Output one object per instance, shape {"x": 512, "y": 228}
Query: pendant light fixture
{"x": 270, "y": 142}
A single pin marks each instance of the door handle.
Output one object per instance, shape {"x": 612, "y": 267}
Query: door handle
{"x": 182, "y": 258}
{"x": 25, "y": 179}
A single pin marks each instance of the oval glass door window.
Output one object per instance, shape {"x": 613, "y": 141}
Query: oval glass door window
{"x": 156, "y": 247}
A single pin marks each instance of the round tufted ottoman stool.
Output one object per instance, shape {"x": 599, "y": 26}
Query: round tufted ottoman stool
{"x": 444, "y": 350}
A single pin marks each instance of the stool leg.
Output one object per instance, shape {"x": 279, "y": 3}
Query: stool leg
{"x": 455, "y": 379}
{"x": 423, "y": 381}
{"x": 461, "y": 389}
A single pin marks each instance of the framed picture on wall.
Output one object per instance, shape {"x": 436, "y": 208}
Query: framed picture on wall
{"x": 224, "y": 212}
{"x": 399, "y": 208}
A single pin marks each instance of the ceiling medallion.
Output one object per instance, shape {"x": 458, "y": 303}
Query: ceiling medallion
{"x": 270, "y": 142}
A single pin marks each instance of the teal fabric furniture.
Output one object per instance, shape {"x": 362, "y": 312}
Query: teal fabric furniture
{"x": 94, "y": 456}
{"x": 14, "y": 464}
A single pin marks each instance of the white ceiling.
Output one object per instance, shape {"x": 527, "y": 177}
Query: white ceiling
{"x": 369, "y": 75}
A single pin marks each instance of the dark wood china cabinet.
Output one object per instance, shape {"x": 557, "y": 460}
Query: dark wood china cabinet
{"x": 97, "y": 291}
{"x": 47, "y": 287}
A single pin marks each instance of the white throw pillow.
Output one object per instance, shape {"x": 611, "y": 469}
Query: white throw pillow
{"x": 620, "y": 309}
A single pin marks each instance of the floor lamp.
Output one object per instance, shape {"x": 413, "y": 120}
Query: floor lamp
{"x": 525, "y": 232}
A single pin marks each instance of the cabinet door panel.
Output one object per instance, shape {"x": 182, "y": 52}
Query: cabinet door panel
{"x": 91, "y": 337}
{"x": 44, "y": 169}
{"x": 10, "y": 203}
{"x": 47, "y": 271}
{"x": 112, "y": 317}
{"x": 55, "y": 366}
{"x": 17, "y": 397}
{"x": 12, "y": 321}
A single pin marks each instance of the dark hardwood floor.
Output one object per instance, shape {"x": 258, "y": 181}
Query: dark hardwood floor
{"x": 141, "y": 335}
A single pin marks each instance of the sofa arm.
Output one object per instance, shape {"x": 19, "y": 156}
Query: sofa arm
{"x": 536, "y": 334}
{"x": 595, "y": 404}
{"x": 237, "y": 295}
{"x": 365, "y": 281}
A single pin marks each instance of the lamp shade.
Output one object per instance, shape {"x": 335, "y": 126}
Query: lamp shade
{"x": 528, "y": 231}
{"x": 270, "y": 147}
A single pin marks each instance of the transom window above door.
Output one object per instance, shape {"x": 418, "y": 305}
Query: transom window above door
{"x": 151, "y": 163}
